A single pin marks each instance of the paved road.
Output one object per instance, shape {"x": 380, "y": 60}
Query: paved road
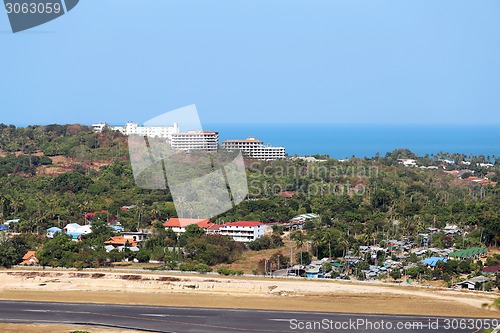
{"x": 202, "y": 320}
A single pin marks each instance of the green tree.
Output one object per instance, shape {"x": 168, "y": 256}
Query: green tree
{"x": 396, "y": 274}
{"x": 8, "y": 254}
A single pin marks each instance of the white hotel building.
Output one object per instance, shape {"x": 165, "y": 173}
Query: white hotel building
{"x": 196, "y": 140}
{"x": 134, "y": 129}
{"x": 190, "y": 140}
{"x": 241, "y": 231}
{"x": 254, "y": 148}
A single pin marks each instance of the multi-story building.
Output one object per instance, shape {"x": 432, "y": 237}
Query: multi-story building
{"x": 134, "y": 129}
{"x": 99, "y": 127}
{"x": 241, "y": 231}
{"x": 254, "y": 148}
{"x": 196, "y": 140}
{"x": 179, "y": 225}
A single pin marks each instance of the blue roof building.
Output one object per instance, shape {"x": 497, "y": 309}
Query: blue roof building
{"x": 51, "y": 232}
{"x": 432, "y": 261}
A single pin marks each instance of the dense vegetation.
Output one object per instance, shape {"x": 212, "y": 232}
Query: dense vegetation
{"x": 360, "y": 201}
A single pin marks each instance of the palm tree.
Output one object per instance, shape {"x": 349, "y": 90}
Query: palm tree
{"x": 16, "y": 204}
{"x": 155, "y": 213}
{"x": 299, "y": 239}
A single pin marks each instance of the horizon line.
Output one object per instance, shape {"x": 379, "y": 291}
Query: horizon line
{"x": 276, "y": 123}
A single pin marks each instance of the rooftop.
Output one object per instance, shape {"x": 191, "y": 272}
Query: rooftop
{"x": 175, "y": 222}
{"x": 244, "y": 224}
{"x": 249, "y": 139}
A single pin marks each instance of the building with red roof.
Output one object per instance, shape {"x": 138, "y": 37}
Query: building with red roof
{"x": 29, "y": 259}
{"x": 492, "y": 269}
{"x": 179, "y": 225}
{"x": 117, "y": 241}
{"x": 287, "y": 194}
{"x": 242, "y": 231}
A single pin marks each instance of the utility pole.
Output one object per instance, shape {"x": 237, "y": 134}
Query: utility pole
{"x": 179, "y": 252}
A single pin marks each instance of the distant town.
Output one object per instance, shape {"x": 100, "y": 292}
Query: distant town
{"x": 69, "y": 199}
{"x": 198, "y": 140}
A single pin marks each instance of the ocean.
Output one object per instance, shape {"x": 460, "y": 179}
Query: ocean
{"x": 344, "y": 141}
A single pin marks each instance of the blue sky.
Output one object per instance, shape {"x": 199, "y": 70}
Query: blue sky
{"x": 254, "y": 61}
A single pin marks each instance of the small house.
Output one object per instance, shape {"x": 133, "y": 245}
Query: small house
{"x": 51, "y": 232}
{"x": 473, "y": 283}
{"x": 492, "y": 269}
{"x": 118, "y": 241}
{"x": 29, "y": 259}
{"x": 135, "y": 236}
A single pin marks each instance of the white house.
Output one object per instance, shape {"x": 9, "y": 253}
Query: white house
{"x": 51, "y": 232}
{"x": 135, "y": 236}
{"x": 472, "y": 283}
{"x": 9, "y": 222}
{"x": 408, "y": 162}
{"x": 451, "y": 229}
{"x": 75, "y": 230}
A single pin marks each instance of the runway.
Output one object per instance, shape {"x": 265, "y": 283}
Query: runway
{"x": 207, "y": 320}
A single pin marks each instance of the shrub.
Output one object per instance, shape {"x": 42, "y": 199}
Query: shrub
{"x": 224, "y": 271}
{"x": 266, "y": 243}
{"x": 202, "y": 268}
{"x": 187, "y": 266}
{"x": 143, "y": 256}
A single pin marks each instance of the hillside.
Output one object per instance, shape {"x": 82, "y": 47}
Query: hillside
{"x": 53, "y": 175}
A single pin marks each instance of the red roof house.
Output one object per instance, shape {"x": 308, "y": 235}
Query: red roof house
{"x": 492, "y": 269}
{"x": 29, "y": 259}
{"x": 120, "y": 241}
{"x": 176, "y": 222}
{"x": 287, "y": 194}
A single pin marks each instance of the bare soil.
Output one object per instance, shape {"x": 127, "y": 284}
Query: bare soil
{"x": 240, "y": 292}
{"x": 48, "y": 328}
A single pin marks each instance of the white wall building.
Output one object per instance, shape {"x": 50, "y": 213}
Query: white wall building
{"x": 254, "y": 148}
{"x": 241, "y": 231}
{"x": 134, "y": 129}
{"x": 408, "y": 162}
{"x": 99, "y": 127}
{"x": 196, "y": 140}
{"x": 135, "y": 236}
{"x": 76, "y": 228}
